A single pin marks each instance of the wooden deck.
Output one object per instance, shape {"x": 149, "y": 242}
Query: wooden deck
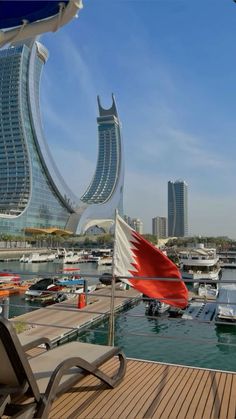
{"x": 59, "y": 321}
{"x": 152, "y": 390}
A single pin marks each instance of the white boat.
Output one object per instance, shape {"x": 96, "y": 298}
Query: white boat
{"x": 105, "y": 261}
{"x": 209, "y": 291}
{"x": 90, "y": 289}
{"x": 71, "y": 257}
{"x": 226, "y": 303}
{"x": 38, "y": 258}
{"x": 199, "y": 263}
{"x": 24, "y": 259}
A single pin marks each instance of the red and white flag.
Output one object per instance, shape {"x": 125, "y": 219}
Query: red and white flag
{"x": 134, "y": 256}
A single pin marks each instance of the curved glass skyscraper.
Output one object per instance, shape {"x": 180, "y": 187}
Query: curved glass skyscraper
{"x": 32, "y": 192}
{"x": 105, "y": 192}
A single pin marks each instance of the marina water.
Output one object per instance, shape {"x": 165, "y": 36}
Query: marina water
{"x": 160, "y": 339}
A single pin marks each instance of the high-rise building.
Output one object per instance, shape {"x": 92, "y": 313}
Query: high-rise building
{"x": 177, "y": 209}
{"x": 32, "y": 192}
{"x": 137, "y": 225}
{"x": 105, "y": 192}
{"x": 159, "y": 227}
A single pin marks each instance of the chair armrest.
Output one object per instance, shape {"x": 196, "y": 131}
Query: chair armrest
{"x": 28, "y": 342}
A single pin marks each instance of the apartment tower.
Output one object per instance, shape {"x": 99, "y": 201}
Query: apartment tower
{"x": 159, "y": 227}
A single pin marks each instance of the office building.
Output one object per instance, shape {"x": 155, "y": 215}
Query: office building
{"x": 159, "y": 227}
{"x": 177, "y": 209}
{"x": 105, "y": 192}
{"x": 32, "y": 192}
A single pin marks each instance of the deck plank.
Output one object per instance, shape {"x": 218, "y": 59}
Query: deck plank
{"x": 161, "y": 391}
{"x": 225, "y": 400}
{"x": 151, "y": 390}
{"x": 213, "y": 400}
{"x": 232, "y": 400}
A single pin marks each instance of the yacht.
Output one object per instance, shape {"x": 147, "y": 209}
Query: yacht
{"x": 199, "y": 263}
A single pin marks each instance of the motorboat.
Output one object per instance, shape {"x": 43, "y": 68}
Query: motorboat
{"x": 226, "y": 303}
{"x": 105, "y": 261}
{"x": 42, "y": 288}
{"x": 9, "y": 277}
{"x": 209, "y": 291}
{"x": 106, "y": 278}
{"x": 38, "y": 258}
{"x": 156, "y": 308}
{"x": 199, "y": 263}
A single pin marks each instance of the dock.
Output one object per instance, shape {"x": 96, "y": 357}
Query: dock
{"x": 152, "y": 390}
{"x": 149, "y": 389}
{"x": 63, "y": 321}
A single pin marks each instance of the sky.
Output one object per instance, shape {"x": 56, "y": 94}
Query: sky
{"x": 171, "y": 66}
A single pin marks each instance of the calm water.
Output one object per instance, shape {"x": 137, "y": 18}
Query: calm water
{"x": 173, "y": 340}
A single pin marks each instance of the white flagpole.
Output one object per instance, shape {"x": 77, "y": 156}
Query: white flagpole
{"x": 111, "y": 335}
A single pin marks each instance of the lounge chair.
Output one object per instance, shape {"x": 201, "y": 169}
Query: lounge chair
{"x": 44, "y": 377}
{"x": 29, "y": 342}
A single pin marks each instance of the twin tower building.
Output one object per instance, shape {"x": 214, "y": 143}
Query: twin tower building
{"x": 33, "y": 194}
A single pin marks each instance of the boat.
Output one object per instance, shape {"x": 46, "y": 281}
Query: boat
{"x": 70, "y": 282}
{"x": 156, "y": 308}
{"x": 199, "y": 263}
{"x": 42, "y": 288}
{"x": 209, "y": 291}
{"x": 71, "y": 257}
{"x": 38, "y": 258}
{"x": 8, "y": 289}
{"x": 106, "y": 278}
{"x": 90, "y": 289}
{"x": 227, "y": 259}
{"x": 9, "y": 277}
{"x": 105, "y": 261}
{"x": 226, "y": 303}
{"x": 24, "y": 259}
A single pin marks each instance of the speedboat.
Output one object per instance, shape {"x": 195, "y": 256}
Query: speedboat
{"x": 42, "y": 288}
{"x": 9, "y": 277}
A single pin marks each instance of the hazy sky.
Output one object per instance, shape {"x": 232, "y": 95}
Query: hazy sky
{"x": 171, "y": 65}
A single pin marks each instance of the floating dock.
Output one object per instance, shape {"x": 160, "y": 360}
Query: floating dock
{"x": 63, "y": 321}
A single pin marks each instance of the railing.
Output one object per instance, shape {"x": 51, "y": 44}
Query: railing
{"x": 131, "y": 315}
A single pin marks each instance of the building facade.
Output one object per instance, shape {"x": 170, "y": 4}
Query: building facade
{"x": 32, "y": 192}
{"x": 137, "y": 225}
{"x": 159, "y": 227}
{"x": 105, "y": 192}
{"x": 177, "y": 209}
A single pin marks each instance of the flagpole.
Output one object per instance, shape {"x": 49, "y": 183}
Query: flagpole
{"x": 111, "y": 334}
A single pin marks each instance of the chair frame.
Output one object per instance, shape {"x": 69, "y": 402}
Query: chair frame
{"x": 28, "y": 384}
